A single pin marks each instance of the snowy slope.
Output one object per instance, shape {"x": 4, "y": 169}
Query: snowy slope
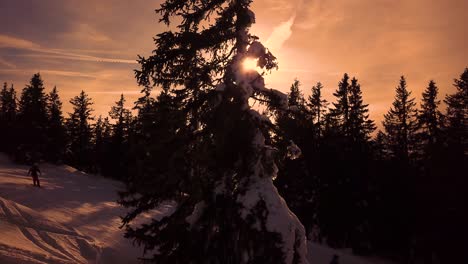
{"x": 320, "y": 254}
{"x": 28, "y": 237}
{"x": 73, "y": 218}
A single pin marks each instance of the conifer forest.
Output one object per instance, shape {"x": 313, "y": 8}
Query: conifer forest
{"x": 255, "y": 172}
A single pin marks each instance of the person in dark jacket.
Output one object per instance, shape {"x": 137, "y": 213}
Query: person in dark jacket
{"x": 33, "y": 171}
{"x": 334, "y": 259}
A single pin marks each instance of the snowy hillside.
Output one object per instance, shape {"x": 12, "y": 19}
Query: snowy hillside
{"x": 73, "y": 218}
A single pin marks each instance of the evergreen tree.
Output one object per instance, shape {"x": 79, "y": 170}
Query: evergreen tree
{"x": 360, "y": 126}
{"x": 401, "y": 123}
{"x": 33, "y": 120}
{"x": 295, "y": 97}
{"x": 145, "y": 103}
{"x": 401, "y": 126}
{"x": 340, "y": 112}
{"x": 8, "y": 102}
{"x": 228, "y": 210}
{"x": 429, "y": 115}
{"x": 98, "y": 144}
{"x": 80, "y": 132}
{"x": 318, "y": 107}
{"x": 430, "y": 123}
{"x": 452, "y": 179}
{"x": 345, "y": 155}
{"x": 144, "y": 122}
{"x": 157, "y": 129}
{"x": 295, "y": 181}
{"x": 102, "y": 146}
{"x": 56, "y": 133}
{"x": 295, "y": 123}
{"x": 380, "y": 146}
{"x": 457, "y": 114}
{"x": 119, "y": 140}
{"x": 123, "y": 118}
{"x": 8, "y": 112}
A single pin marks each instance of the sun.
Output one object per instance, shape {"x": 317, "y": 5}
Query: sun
{"x": 250, "y": 64}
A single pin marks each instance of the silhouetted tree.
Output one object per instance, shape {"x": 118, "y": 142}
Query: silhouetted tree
{"x": 430, "y": 119}
{"x": 102, "y": 146}
{"x": 401, "y": 123}
{"x": 295, "y": 182}
{"x": 452, "y": 181}
{"x": 33, "y": 118}
{"x": 380, "y": 146}
{"x": 221, "y": 171}
{"x": 340, "y": 110}
{"x": 144, "y": 122}
{"x": 119, "y": 140}
{"x": 8, "y": 112}
{"x": 399, "y": 179}
{"x": 294, "y": 123}
{"x": 56, "y": 134}
{"x": 360, "y": 126}
{"x": 457, "y": 115}
{"x": 344, "y": 154}
{"x": 145, "y": 103}
{"x": 295, "y": 96}
{"x": 80, "y": 132}
{"x": 123, "y": 118}
{"x": 156, "y": 135}
{"x": 318, "y": 107}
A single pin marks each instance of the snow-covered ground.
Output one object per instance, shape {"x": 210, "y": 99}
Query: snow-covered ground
{"x": 73, "y": 218}
{"x": 320, "y": 254}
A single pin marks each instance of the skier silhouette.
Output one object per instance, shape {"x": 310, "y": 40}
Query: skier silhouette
{"x": 334, "y": 259}
{"x": 33, "y": 172}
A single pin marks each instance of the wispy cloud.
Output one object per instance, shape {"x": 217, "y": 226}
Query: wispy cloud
{"x": 38, "y": 51}
{"x": 86, "y": 33}
{"x": 69, "y": 73}
{"x": 284, "y": 30}
{"x": 12, "y": 42}
{"x": 280, "y": 34}
{"x": 7, "y": 63}
{"x": 125, "y": 92}
{"x": 49, "y": 72}
{"x": 72, "y": 56}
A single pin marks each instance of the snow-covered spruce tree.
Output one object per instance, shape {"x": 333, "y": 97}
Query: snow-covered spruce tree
{"x": 227, "y": 209}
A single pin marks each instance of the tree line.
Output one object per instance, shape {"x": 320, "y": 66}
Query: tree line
{"x": 400, "y": 193}
{"x": 397, "y": 193}
{"x": 34, "y": 128}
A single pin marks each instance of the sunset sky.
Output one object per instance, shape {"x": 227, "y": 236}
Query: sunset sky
{"x": 92, "y": 45}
